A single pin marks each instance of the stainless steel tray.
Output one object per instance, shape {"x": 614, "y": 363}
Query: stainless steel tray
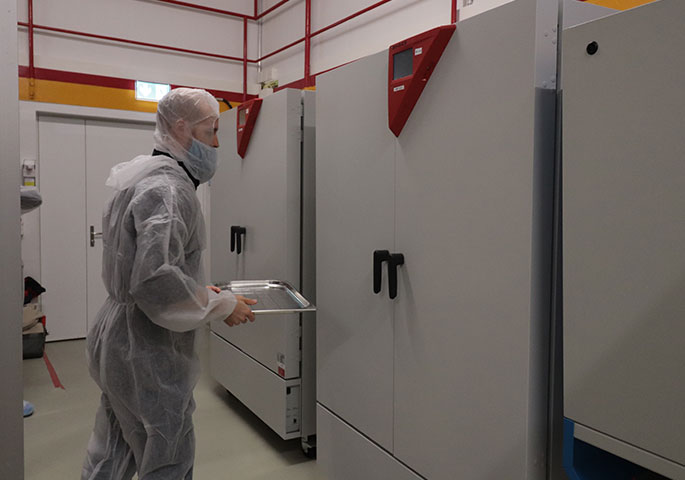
{"x": 273, "y": 296}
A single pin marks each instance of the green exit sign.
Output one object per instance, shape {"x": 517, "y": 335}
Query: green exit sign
{"x": 151, "y": 92}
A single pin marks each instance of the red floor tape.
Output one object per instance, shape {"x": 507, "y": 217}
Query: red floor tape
{"x": 52, "y": 372}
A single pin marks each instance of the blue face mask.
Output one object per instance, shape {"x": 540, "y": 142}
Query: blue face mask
{"x": 201, "y": 161}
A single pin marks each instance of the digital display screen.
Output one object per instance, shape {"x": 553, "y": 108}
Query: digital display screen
{"x": 403, "y": 64}
{"x": 242, "y": 116}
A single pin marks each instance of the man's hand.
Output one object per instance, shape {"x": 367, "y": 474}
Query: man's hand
{"x": 214, "y": 289}
{"x": 241, "y": 313}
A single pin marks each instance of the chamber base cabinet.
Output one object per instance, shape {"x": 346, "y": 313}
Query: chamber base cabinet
{"x": 274, "y": 400}
{"x": 348, "y": 454}
{"x": 624, "y": 231}
{"x": 267, "y": 195}
{"x": 449, "y": 379}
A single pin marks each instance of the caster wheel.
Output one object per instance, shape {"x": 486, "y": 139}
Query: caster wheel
{"x": 309, "y": 452}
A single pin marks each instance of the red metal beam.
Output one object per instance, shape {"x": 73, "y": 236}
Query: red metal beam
{"x": 134, "y": 42}
{"x": 269, "y": 10}
{"x": 32, "y": 66}
{"x": 350, "y": 17}
{"x": 281, "y": 49}
{"x": 244, "y": 59}
{"x": 30, "y": 25}
{"x": 301, "y": 84}
{"x": 207, "y": 9}
{"x": 307, "y": 42}
{"x": 455, "y": 14}
{"x": 318, "y": 32}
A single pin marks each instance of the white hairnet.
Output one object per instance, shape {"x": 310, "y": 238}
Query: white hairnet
{"x": 177, "y": 113}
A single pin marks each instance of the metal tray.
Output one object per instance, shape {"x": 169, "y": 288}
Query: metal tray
{"x": 273, "y": 296}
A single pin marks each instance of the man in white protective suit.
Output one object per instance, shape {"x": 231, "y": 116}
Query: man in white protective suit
{"x": 141, "y": 348}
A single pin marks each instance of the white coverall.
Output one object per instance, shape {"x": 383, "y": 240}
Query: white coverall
{"x": 141, "y": 348}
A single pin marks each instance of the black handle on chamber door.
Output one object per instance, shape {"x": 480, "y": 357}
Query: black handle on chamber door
{"x": 233, "y": 229}
{"x": 379, "y": 256}
{"x": 239, "y": 232}
{"x": 396, "y": 259}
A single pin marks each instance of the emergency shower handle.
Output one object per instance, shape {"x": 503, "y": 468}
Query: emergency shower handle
{"x": 94, "y": 236}
{"x": 396, "y": 259}
{"x": 379, "y": 256}
{"x": 237, "y": 233}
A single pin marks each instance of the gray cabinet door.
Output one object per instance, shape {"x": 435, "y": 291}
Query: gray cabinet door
{"x": 464, "y": 222}
{"x": 226, "y": 197}
{"x": 624, "y": 228}
{"x": 268, "y": 201}
{"x": 270, "y": 173}
{"x": 355, "y": 183}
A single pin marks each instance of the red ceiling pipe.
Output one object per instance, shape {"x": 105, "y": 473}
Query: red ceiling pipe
{"x": 207, "y": 9}
{"x": 308, "y": 43}
{"x": 269, "y": 10}
{"x": 454, "y": 11}
{"x": 244, "y": 59}
{"x": 318, "y": 32}
{"x": 135, "y": 42}
{"x": 32, "y": 66}
{"x": 281, "y": 49}
{"x": 350, "y": 17}
{"x": 256, "y": 15}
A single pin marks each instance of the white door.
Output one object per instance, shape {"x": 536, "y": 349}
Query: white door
{"x": 62, "y": 157}
{"x": 75, "y": 157}
{"x": 107, "y": 143}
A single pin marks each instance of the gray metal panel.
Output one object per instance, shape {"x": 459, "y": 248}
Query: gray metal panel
{"x": 624, "y": 229}
{"x": 261, "y": 390}
{"x": 308, "y": 368}
{"x": 226, "y": 205}
{"x": 269, "y": 205}
{"x": 308, "y": 286}
{"x": 640, "y": 457}
{"x": 473, "y": 307}
{"x": 271, "y": 197}
{"x": 354, "y": 209}
{"x": 11, "y": 423}
{"x": 345, "y": 454}
{"x": 576, "y": 12}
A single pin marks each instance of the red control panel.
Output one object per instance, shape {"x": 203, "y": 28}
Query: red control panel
{"x": 410, "y": 65}
{"x": 245, "y": 122}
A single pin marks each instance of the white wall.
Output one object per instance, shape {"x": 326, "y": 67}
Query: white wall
{"x": 11, "y": 422}
{"x": 145, "y": 21}
{"x": 368, "y": 33}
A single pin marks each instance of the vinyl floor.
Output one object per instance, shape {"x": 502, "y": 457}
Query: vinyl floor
{"x": 232, "y": 443}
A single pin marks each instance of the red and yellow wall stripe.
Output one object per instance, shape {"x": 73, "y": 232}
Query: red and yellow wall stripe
{"x": 71, "y": 88}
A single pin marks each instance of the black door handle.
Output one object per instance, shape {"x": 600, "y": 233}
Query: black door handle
{"x": 379, "y": 256}
{"x": 236, "y": 238}
{"x": 396, "y": 259}
{"x": 240, "y": 231}
{"x": 233, "y": 228}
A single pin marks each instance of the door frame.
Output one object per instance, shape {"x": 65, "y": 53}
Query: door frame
{"x": 28, "y": 150}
